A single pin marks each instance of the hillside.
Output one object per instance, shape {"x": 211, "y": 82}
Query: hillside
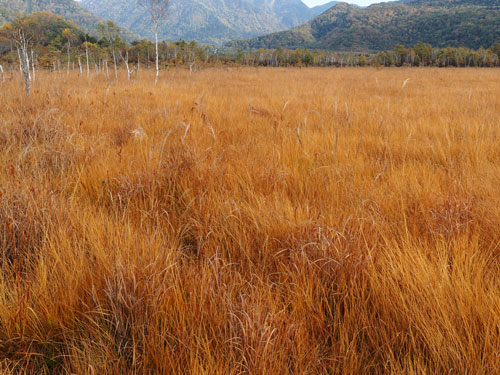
{"x": 47, "y": 28}
{"x": 69, "y": 9}
{"x": 210, "y": 21}
{"x": 6, "y": 15}
{"x": 469, "y": 23}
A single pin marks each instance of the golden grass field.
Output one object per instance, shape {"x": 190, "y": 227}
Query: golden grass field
{"x": 251, "y": 221}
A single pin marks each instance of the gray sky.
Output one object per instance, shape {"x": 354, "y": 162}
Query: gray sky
{"x": 312, "y": 3}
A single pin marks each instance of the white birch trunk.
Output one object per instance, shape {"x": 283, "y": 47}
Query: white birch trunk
{"x": 157, "y": 56}
{"x": 125, "y": 60}
{"x": 20, "y": 60}
{"x": 25, "y": 67}
{"x": 33, "y": 66}
{"x": 68, "y": 61}
{"x": 127, "y": 66}
{"x": 87, "y": 56}
{"x": 114, "y": 61}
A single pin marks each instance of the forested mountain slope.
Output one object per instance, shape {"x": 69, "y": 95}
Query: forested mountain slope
{"x": 469, "y": 23}
{"x": 69, "y": 9}
{"x": 211, "y": 21}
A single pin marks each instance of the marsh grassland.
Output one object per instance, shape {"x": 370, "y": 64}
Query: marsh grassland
{"x": 302, "y": 221}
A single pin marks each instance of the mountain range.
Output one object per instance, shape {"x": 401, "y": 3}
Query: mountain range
{"x": 333, "y": 26}
{"x": 441, "y": 23}
{"x": 209, "y": 21}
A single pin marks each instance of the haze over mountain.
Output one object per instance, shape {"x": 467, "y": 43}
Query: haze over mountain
{"x": 344, "y": 27}
{"x": 69, "y": 9}
{"x": 210, "y": 21}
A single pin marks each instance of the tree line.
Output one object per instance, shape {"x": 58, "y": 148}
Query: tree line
{"x": 421, "y": 54}
{"x": 46, "y": 41}
{"x": 57, "y": 45}
{"x": 51, "y": 43}
{"x": 45, "y": 29}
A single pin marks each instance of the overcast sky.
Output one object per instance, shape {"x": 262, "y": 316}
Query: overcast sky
{"x": 312, "y": 3}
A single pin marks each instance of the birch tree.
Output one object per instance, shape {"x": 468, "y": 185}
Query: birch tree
{"x": 157, "y": 10}
{"x": 22, "y": 43}
{"x": 87, "y": 57}
{"x": 127, "y": 65}
{"x": 110, "y": 33}
{"x": 33, "y": 66}
{"x": 22, "y": 39}
{"x": 69, "y": 36}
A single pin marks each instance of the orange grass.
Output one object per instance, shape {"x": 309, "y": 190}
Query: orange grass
{"x": 253, "y": 221}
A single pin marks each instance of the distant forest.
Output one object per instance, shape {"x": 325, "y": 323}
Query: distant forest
{"x": 58, "y": 45}
{"x": 442, "y": 23}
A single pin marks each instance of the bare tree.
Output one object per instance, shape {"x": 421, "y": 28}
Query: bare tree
{"x": 110, "y": 32}
{"x": 80, "y": 64}
{"x": 115, "y": 64}
{"x": 87, "y": 57}
{"x": 106, "y": 67}
{"x": 69, "y": 36}
{"x": 157, "y": 10}
{"x": 23, "y": 35}
{"x": 22, "y": 41}
{"x": 1, "y": 72}
{"x": 127, "y": 65}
